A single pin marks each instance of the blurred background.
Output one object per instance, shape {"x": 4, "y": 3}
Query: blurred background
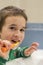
{"x": 34, "y": 11}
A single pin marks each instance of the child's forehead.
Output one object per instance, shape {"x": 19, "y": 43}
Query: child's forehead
{"x": 15, "y": 18}
{"x": 15, "y": 21}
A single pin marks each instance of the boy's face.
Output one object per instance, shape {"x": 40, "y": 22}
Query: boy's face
{"x": 13, "y": 29}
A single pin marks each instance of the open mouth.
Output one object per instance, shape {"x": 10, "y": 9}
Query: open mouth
{"x": 14, "y": 42}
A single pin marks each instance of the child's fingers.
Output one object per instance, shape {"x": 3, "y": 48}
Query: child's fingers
{"x": 6, "y": 44}
{"x": 2, "y": 54}
{"x": 35, "y": 44}
{"x": 32, "y": 47}
{"x": 30, "y": 50}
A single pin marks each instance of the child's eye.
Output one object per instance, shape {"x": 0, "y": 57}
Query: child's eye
{"x": 12, "y": 28}
{"x": 22, "y": 30}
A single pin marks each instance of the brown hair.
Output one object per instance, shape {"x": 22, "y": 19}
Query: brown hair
{"x": 10, "y": 11}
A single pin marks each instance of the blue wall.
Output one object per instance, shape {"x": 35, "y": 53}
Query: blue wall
{"x": 34, "y": 33}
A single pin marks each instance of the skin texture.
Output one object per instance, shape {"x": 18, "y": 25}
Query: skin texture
{"x": 14, "y": 29}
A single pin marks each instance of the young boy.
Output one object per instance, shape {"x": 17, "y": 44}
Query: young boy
{"x": 12, "y": 29}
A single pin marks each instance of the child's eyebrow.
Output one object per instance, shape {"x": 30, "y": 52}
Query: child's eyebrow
{"x": 16, "y": 25}
{"x": 13, "y": 25}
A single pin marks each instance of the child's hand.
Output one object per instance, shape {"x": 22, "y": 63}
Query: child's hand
{"x": 3, "y": 51}
{"x": 32, "y": 48}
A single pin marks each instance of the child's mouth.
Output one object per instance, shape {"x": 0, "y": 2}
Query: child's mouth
{"x": 14, "y": 42}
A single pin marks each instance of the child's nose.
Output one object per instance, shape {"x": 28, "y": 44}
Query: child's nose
{"x": 17, "y": 33}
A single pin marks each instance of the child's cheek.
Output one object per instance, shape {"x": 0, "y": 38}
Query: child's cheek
{"x": 8, "y": 37}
